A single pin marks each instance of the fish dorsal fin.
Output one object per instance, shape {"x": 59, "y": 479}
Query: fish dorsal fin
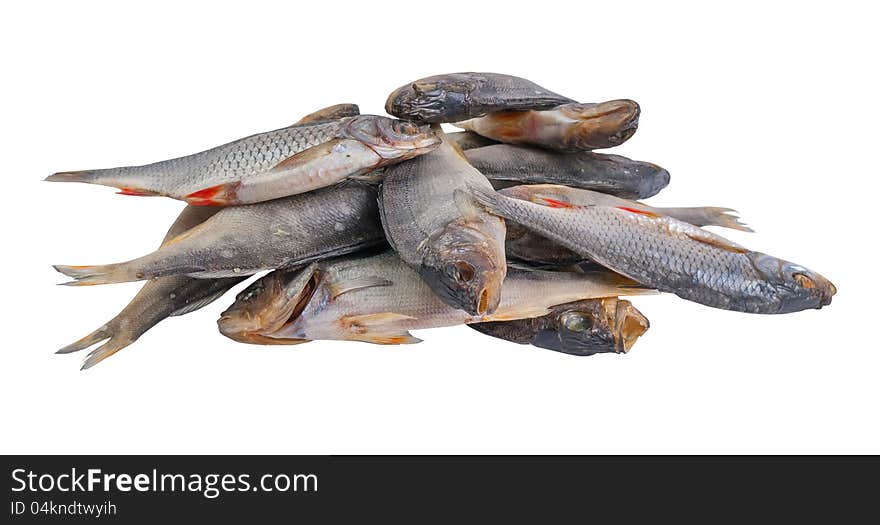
{"x": 378, "y": 328}
{"x": 342, "y": 286}
{"x": 714, "y": 240}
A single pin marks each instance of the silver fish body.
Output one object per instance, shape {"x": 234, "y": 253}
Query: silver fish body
{"x": 672, "y": 256}
{"x": 582, "y": 328}
{"x": 458, "y": 96}
{"x": 378, "y": 299}
{"x": 456, "y": 246}
{"x": 243, "y": 240}
{"x": 271, "y": 165}
{"x": 507, "y": 165}
{"x": 157, "y": 300}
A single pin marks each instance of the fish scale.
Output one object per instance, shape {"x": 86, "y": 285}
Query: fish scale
{"x": 223, "y": 164}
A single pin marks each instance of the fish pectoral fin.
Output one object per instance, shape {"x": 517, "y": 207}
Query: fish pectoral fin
{"x": 378, "y": 328}
{"x": 715, "y": 240}
{"x": 343, "y": 286}
{"x": 342, "y": 148}
{"x": 466, "y": 205}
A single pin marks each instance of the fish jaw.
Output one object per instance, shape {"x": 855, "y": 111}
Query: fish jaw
{"x": 594, "y": 326}
{"x": 602, "y": 125}
{"x": 795, "y": 288}
{"x": 267, "y": 305}
{"x": 432, "y": 101}
{"x": 392, "y": 140}
{"x": 464, "y": 264}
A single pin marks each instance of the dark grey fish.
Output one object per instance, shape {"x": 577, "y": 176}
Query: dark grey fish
{"x": 244, "y": 240}
{"x": 466, "y": 140}
{"x": 589, "y": 327}
{"x": 334, "y": 112}
{"x": 459, "y": 96}
{"x": 507, "y": 165}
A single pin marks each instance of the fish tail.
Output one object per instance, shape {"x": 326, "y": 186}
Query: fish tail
{"x": 709, "y": 216}
{"x": 95, "y": 337}
{"x": 87, "y": 176}
{"x": 104, "y": 351}
{"x": 103, "y": 274}
{"x": 110, "y": 177}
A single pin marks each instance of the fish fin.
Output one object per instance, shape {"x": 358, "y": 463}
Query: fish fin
{"x": 375, "y": 176}
{"x": 552, "y": 203}
{"x": 95, "y": 337}
{"x": 137, "y": 192}
{"x": 103, "y": 352}
{"x": 715, "y": 240}
{"x": 86, "y": 176}
{"x": 201, "y": 273}
{"x": 378, "y": 328}
{"x": 340, "y": 287}
{"x": 466, "y": 205}
{"x": 90, "y": 275}
{"x": 199, "y": 303}
{"x": 219, "y": 195}
{"x": 640, "y": 212}
{"x": 334, "y": 112}
{"x": 308, "y": 155}
{"x": 708, "y": 216}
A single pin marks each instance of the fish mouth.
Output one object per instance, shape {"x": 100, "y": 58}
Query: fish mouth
{"x": 264, "y": 326}
{"x": 631, "y": 324}
{"x": 605, "y": 124}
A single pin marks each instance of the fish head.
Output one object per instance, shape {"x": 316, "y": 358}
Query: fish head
{"x": 796, "y": 287}
{"x": 464, "y": 267}
{"x": 592, "y": 327}
{"x": 391, "y": 139}
{"x": 267, "y": 305}
{"x": 602, "y": 125}
{"x": 434, "y": 99}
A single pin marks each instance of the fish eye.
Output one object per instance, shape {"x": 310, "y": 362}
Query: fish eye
{"x": 463, "y": 272}
{"x": 575, "y": 323}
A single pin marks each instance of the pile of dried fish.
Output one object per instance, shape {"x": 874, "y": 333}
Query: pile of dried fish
{"x": 374, "y": 226}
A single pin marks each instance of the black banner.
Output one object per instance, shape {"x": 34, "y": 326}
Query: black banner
{"x": 148, "y": 489}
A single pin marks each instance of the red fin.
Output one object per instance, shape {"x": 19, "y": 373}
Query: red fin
{"x": 641, "y": 212}
{"x": 137, "y": 192}
{"x": 219, "y": 195}
{"x": 553, "y": 203}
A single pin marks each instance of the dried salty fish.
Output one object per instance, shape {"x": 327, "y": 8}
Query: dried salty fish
{"x": 507, "y": 165}
{"x": 378, "y": 299}
{"x": 244, "y": 240}
{"x": 459, "y": 96}
{"x": 670, "y": 255}
{"x": 271, "y": 165}
{"x": 571, "y": 127}
{"x": 456, "y": 246}
{"x": 588, "y": 327}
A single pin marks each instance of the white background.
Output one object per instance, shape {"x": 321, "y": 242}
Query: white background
{"x": 767, "y": 108}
